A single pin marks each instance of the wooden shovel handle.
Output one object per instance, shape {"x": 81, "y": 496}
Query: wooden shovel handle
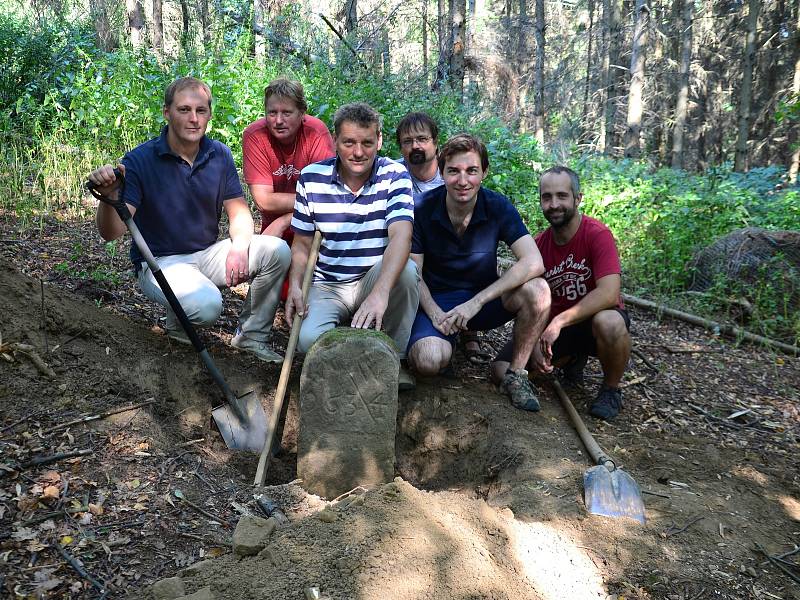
{"x": 286, "y": 369}
{"x": 592, "y": 447}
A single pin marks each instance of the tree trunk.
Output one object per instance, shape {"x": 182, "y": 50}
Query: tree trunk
{"x": 204, "y": 22}
{"x": 185, "y": 40}
{"x": 425, "y": 40}
{"x": 587, "y": 84}
{"x": 259, "y": 20}
{"x": 635, "y": 104}
{"x": 457, "y": 63}
{"x": 746, "y": 92}
{"x": 794, "y": 138}
{"x": 538, "y": 75}
{"x": 106, "y": 38}
{"x": 444, "y": 9}
{"x": 681, "y": 105}
{"x": 604, "y": 76}
{"x": 158, "y": 28}
{"x": 351, "y": 16}
{"x": 135, "y": 22}
{"x": 614, "y": 42}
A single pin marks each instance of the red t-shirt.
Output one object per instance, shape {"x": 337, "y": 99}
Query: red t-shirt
{"x": 267, "y": 162}
{"x": 572, "y": 270}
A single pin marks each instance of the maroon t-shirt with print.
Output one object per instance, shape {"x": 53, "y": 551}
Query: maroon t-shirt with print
{"x": 266, "y": 162}
{"x": 572, "y": 270}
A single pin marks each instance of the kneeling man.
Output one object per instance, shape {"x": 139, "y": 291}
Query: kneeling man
{"x": 583, "y": 270}
{"x": 362, "y": 205}
{"x": 456, "y": 232}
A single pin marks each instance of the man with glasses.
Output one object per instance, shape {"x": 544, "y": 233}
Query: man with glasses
{"x": 417, "y": 135}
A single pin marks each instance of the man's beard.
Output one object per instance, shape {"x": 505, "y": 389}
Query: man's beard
{"x": 417, "y": 157}
{"x": 559, "y": 219}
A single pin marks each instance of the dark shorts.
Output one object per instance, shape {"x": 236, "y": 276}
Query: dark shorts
{"x": 491, "y": 316}
{"x": 573, "y": 340}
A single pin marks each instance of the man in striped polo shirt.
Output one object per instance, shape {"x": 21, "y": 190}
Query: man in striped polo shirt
{"x": 362, "y": 203}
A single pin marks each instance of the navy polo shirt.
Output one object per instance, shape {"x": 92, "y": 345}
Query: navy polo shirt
{"x": 468, "y": 262}
{"x": 178, "y": 205}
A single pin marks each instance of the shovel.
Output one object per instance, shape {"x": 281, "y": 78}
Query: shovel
{"x": 240, "y": 419}
{"x": 608, "y": 490}
{"x": 283, "y": 382}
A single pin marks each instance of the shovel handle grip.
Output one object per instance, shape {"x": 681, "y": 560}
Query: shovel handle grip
{"x": 118, "y": 204}
{"x": 592, "y": 447}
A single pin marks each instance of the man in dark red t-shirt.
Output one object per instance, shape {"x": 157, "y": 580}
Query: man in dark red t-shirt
{"x": 276, "y": 148}
{"x": 587, "y": 317}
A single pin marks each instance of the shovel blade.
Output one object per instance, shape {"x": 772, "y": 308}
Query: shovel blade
{"x": 612, "y": 494}
{"x": 247, "y": 433}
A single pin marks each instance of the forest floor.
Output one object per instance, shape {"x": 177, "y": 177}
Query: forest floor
{"x": 490, "y": 504}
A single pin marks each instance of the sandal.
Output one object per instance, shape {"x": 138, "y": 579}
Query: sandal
{"x": 476, "y": 354}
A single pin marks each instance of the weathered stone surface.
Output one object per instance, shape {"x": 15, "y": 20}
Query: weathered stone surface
{"x": 168, "y": 589}
{"x": 201, "y": 594}
{"x": 252, "y": 534}
{"x": 348, "y": 409}
{"x": 196, "y": 568}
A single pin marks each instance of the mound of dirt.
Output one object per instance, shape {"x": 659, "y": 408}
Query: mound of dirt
{"x": 403, "y": 543}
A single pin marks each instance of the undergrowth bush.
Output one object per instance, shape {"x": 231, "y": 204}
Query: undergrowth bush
{"x": 66, "y": 107}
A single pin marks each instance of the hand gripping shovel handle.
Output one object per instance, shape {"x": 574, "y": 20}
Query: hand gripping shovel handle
{"x": 283, "y": 382}
{"x": 592, "y": 447}
{"x": 122, "y": 210}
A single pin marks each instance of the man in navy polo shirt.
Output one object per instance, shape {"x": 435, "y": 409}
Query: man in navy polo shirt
{"x": 363, "y": 206}
{"x": 176, "y": 186}
{"x": 456, "y": 232}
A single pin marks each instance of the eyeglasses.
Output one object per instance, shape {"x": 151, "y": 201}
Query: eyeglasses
{"x": 420, "y": 139}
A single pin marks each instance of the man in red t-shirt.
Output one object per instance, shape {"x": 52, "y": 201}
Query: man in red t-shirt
{"x": 276, "y": 148}
{"x": 587, "y": 316}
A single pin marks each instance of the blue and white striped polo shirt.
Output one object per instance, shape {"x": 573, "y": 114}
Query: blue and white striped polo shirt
{"x": 354, "y": 227}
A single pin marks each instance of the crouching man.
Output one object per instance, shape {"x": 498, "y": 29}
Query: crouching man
{"x": 583, "y": 271}
{"x": 176, "y": 187}
{"x": 362, "y": 205}
{"x": 456, "y": 233}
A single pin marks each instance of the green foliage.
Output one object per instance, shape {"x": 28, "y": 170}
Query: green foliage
{"x": 66, "y": 107}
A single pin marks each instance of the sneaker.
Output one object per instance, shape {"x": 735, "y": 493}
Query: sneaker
{"x": 405, "y": 380}
{"x": 572, "y": 372}
{"x": 261, "y": 350}
{"x": 518, "y": 387}
{"x": 179, "y": 335}
{"x": 607, "y": 403}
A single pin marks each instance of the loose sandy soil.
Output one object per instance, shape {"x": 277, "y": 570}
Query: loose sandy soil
{"x": 490, "y": 503}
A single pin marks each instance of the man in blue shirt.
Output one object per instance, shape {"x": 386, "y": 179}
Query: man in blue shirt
{"x": 176, "y": 187}
{"x": 456, "y": 232}
{"x": 362, "y": 204}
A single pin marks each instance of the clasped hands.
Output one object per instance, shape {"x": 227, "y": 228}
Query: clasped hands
{"x": 456, "y": 319}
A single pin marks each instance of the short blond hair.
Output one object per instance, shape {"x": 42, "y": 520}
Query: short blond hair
{"x": 286, "y": 88}
{"x": 185, "y": 83}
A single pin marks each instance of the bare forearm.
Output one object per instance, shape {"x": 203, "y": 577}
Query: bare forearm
{"x": 591, "y": 304}
{"x": 394, "y": 261}
{"x": 301, "y": 249}
{"x": 275, "y": 203}
{"x": 426, "y": 301}
{"x": 521, "y": 272}
{"x": 108, "y": 222}
{"x": 241, "y": 231}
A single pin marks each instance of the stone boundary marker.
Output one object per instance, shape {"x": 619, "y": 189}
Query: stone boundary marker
{"x": 348, "y": 411}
